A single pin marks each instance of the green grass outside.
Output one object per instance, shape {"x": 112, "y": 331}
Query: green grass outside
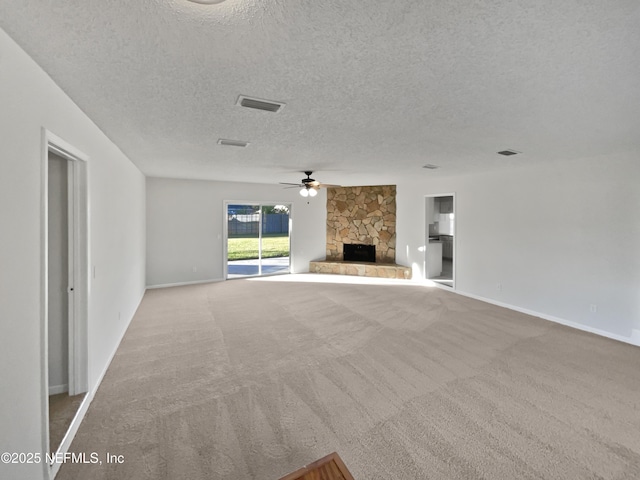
{"x": 242, "y": 247}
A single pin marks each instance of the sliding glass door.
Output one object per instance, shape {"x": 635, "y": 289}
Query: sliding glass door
{"x": 258, "y": 241}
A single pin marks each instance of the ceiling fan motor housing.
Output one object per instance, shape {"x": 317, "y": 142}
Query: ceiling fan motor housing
{"x": 308, "y": 180}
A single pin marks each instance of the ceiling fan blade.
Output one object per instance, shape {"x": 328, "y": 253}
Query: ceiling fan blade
{"x": 314, "y": 183}
{"x": 328, "y": 185}
{"x": 296, "y": 184}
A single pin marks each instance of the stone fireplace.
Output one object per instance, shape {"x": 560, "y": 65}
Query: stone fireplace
{"x": 362, "y": 216}
{"x": 361, "y": 222}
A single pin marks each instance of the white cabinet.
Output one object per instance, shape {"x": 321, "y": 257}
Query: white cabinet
{"x": 434, "y": 259}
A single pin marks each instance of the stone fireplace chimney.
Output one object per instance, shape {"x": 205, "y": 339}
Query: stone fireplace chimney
{"x": 362, "y": 216}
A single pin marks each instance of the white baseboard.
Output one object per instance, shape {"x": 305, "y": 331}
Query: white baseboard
{"x": 57, "y": 389}
{"x": 84, "y": 406}
{"x": 634, "y": 339}
{"x": 181, "y": 284}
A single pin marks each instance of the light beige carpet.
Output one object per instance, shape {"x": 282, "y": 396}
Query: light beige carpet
{"x": 254, "y": 379}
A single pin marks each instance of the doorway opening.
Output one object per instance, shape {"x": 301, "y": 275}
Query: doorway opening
{"x": 258, "y": 239}
{"x": 65, "y": 278}
{"x": 440, "y": 222}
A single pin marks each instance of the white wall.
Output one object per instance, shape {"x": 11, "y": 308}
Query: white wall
{"x": 29, "y": 100}
{"x": 185, "y": 221}
{"x": 558, "y": 238}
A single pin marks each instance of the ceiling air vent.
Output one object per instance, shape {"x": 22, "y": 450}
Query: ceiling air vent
{"x": 232, "y": 143}
{"x": 430, "y": 166}
{"x": 507, "y": 153}
{"x": 259, "y": 104}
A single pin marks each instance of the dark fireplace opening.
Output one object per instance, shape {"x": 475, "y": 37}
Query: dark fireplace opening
{"x": 359, "y": 253}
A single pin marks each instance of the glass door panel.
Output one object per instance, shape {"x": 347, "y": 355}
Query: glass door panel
{"x": 258, "y": 240}
{"x": 275, "y": 245}
{"x": 243, "y": 240}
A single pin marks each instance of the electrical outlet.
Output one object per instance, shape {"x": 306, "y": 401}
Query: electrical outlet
{"x": 499, "y": 287}
{"x": 593, "y": 308}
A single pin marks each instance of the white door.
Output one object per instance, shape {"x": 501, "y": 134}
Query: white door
{"x": 58, "y": 275}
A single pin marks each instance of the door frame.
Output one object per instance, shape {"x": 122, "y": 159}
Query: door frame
{"x": 225, "y": 232}
{"x": 453, "y": 246}
{"x": 78, "y": 291}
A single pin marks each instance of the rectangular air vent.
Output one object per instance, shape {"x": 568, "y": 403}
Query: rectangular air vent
{"x": 232, "y": 143}
{"x": 259, "y": 104}
{"x": 430, "y": 166}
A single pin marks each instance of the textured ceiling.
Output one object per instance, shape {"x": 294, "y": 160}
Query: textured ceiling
{"x": 373, "y": 90}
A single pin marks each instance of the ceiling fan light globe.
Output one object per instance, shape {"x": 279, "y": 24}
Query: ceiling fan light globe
{"x": 304, "y": 192}
{"x": 313, "y": 192}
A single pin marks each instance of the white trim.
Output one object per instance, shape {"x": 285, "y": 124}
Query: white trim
{"x": 72, "y": 241}
{"x": 603, "y": 333}
{"x": 181, "y": 284}
{"x": 58, "y": 389}
{"x": 225, "y": 239}
{"x": 44, "y": 310}
{"x": 62, "y": 148}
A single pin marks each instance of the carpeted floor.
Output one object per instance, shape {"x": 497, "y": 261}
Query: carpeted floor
{"x": 252, "y": 379}
{"x": 62, "y": 409}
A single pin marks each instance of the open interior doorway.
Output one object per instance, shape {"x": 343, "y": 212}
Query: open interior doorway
{"x": 63, "y": 403}
{"x": 257, "y": 239}
{"x": 440, "y": 222}
{"x": 64, "y": 291}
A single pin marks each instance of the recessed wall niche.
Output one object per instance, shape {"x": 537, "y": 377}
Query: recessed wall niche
{"x": 362, "y": 215}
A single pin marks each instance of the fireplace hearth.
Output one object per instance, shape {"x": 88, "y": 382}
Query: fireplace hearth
{"x": 359, "y": 253}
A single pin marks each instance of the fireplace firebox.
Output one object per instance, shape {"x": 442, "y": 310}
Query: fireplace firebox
{"x": 359, "y": 253}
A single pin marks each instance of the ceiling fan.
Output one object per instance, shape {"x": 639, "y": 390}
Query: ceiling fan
{"x": 309, "y": 186}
